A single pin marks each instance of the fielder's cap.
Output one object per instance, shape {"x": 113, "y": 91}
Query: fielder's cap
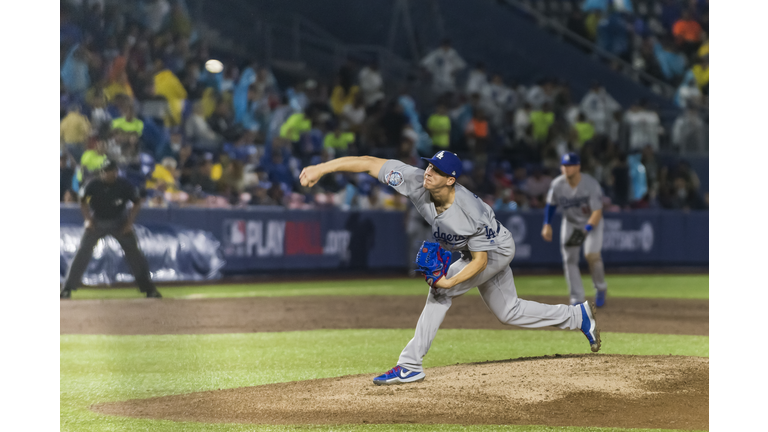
{"x": 108, "y": 165}
{"x": 571, "y": 159}
{"x": 446, "y": 162}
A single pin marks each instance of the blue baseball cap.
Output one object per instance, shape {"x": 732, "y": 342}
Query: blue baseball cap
{"x": 447, "y": 162}
{"x": 571, "y": 159}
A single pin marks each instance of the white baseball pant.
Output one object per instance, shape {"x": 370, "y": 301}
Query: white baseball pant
{"x": 497, "y": 288}
{"x": 593, "y": 244}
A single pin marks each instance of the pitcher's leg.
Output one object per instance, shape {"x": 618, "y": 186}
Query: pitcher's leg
{"x": 438, "y": 303}
{"x": 500, "y": 296}
{"x": 426, "y": 329}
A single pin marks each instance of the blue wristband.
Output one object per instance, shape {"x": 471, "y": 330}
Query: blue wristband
{"x": 549, "y": 211}
{"x": 588, "y": 227}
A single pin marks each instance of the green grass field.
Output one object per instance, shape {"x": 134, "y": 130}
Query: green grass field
{"x": 638, "y": 286}
{"x": 111, "y": 368}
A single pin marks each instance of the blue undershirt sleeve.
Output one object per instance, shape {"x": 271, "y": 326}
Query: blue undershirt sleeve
{"x": 549, "y": 211}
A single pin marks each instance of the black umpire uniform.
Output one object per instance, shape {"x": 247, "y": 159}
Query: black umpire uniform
{"x": 107, "y": 196}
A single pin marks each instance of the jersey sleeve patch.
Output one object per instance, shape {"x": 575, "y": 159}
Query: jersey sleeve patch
{"x": 394, "y": 178}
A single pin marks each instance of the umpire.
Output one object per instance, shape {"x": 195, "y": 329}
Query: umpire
{"x": 107, "y": 196}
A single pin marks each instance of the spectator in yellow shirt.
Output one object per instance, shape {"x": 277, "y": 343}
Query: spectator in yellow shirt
{"x": 584, "y": 130}
{"x": 128, "y": 123}
{"x": 164, "y": 176}
{"x": 92, "y": 161}
{"x": 590, "y": 24}
{"x": 439, "y": 125}
{"x": 127, "y": 131}
{"x": 542, "y": 120}
{"x": 294, "y": 126}
{"x": 168, "y": 85}
{"x": 337, "y": 142}
{"x": 345, "y": 91}
{"x": 704, "y": 48}
{"x": 701, "y": 74}
{"x": 74, "y": 130}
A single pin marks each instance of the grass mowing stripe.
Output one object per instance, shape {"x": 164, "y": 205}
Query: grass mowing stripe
{"x": 638, "y": 286}
{"x": 108, "y": 368}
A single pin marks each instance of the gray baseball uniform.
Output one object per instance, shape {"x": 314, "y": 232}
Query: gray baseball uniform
{"x": 469, "y": 225}
{"x": 577, "y": 205}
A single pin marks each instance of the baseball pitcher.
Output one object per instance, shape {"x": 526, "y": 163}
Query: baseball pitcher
{"x": 580, "y": 197}
{"x": 460, "y": 222}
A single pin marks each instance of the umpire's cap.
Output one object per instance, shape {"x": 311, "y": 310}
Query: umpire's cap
{"x": 108, "y": 165}
{"x": 570, "y": 159}
{"x": 447, "y": 162}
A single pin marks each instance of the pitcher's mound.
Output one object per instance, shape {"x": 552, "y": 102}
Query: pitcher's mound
{"x": 571, "y": 390}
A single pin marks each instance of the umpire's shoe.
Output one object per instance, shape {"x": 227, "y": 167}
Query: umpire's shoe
{"x": 589, "y": 325}
{"x": 154, "y": 294}
{"x": 65, "y": 294}
{"x": 399, "y": 375}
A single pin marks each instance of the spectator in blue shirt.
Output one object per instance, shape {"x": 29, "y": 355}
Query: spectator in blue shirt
{"x": 613, "y": 35}
{"x": 671, "y": 62}
{"x": 74, "y": 71}
{"x": 278, "y": 171}
{"x": 624, "y": 6}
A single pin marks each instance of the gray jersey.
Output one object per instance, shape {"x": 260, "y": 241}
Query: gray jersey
{"x": 577, "y": 204}
{"x": 468, "y": 224}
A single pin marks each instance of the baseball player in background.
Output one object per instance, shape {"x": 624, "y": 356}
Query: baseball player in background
{"x": 580, "y": 197}
{"x": 461, "y": 222}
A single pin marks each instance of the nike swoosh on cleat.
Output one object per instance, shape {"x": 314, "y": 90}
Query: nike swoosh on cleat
{"x": 404, "y": 376}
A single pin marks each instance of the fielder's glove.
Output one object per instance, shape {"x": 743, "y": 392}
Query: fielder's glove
{"x": 433, "y": 261}
{"x": 577, "y": 238}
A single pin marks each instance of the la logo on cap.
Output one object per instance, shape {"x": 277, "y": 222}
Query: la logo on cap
{"x": 567, "y": 158}
{"x": 440, "y": 155}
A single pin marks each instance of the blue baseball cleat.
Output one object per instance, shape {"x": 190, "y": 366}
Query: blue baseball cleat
{"x": 600, "y": 298}
{"x": 589, "y": 325}
{"x": 399, "y": 375}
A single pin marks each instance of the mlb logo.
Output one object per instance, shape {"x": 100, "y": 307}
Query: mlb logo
{"x": 234, "y": 237}
{"x": 234, "y": 232}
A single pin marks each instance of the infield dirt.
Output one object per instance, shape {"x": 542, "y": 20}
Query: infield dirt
{"x": 579, "y": 390}
{"x": 273, "y": 314}
{"x": 573, "y": 390}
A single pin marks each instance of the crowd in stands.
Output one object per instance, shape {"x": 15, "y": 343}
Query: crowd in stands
{"x": 135, "y": 89}
{"x": 668, "y": 39}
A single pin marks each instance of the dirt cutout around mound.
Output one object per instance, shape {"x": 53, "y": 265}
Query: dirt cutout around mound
{"x": 263, "y": 314}
{"x": 572, "y": 390}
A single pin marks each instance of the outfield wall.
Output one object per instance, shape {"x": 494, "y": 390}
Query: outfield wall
{"x": 279, "y": 240}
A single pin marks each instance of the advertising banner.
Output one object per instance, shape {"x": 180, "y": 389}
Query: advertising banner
{"x": 173, "y": 253}
{"x": 276, "y": 239}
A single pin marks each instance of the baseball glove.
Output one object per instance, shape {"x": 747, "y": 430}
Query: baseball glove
{"x": 577, "y": 238}
{"x": 433, "y": 261}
